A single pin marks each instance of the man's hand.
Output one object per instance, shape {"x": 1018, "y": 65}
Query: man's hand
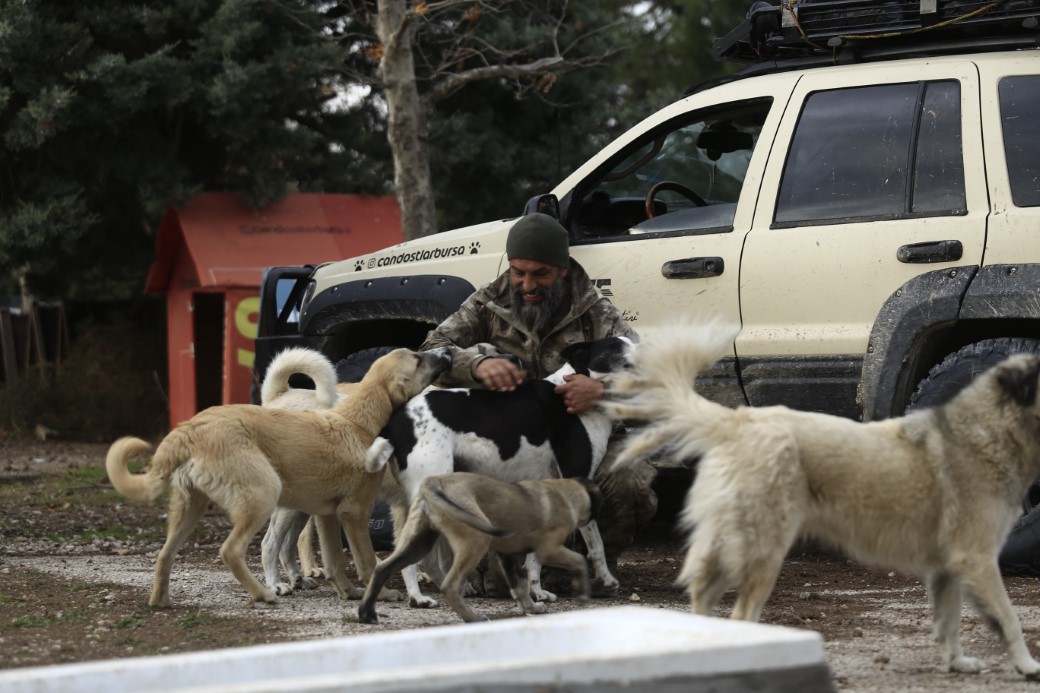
{"x": 580, "y": 392}
{"x": 501, "y": 375}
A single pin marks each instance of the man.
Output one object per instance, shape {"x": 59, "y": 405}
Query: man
{"x": 544, "y": 302}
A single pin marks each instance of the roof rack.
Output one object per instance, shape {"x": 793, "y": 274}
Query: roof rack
{"x": 809, "y": 32}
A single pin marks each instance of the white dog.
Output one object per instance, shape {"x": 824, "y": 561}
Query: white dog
{"x": 933, "y": 493}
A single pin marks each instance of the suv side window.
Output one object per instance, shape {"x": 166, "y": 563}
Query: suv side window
{"x": 705, "y": 152}
{"x": 1020, "y": 119}
{"x": 878, "y": 152}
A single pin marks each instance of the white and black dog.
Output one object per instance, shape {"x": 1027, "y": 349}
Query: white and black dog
{"x": 512, "y": 436}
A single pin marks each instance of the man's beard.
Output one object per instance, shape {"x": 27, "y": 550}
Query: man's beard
{"x": 534, "y": 316}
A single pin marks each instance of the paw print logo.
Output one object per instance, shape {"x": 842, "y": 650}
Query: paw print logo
{"x": 359, "y": 265}
{"x": 474, "y": 247}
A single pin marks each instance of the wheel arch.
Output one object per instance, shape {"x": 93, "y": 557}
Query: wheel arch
{"x": 936, "y": 314}
{"x": 396, "y": 311}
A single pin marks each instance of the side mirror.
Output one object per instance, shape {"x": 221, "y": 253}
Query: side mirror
{"x": 544, "y": 204}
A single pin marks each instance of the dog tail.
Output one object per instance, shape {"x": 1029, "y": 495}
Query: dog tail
{"x": 660, "y": 389}
{"x": 433, "y": 494}
{"x": 140, "y": 488}
{"x": 379, "y": 453}
{"x": 308, "y": 362}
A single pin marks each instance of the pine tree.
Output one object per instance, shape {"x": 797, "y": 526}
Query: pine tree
{"x": 110, "y": 111}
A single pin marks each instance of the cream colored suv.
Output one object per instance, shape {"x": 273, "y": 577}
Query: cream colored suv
{"x": 868, "y": 210}
{"x": 869, "y": 213}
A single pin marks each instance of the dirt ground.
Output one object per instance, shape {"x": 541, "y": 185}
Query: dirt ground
{"x": 76, "y": 563}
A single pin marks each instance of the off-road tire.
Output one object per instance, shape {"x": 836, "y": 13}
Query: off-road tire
{"x": 352, "y": 367}
{"x": 958, "y": 369}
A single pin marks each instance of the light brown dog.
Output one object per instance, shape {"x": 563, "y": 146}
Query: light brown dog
{"x": 932, "y": 494}
{"x": 476, "y": 514}
{"x": 289, "y": 538}
{"x": 250, "y": 459}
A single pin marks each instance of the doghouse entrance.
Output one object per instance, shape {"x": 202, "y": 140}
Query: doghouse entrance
{"x": 208, "y": 319}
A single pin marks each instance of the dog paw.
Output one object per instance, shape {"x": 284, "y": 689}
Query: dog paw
{"x": 538, "y": 608}
{"x": 540, "y": 595}
{"x": 351, "y": 593}
{"x": 386, "y": 595}
{"x": 605, "y": 589}
{"x": 1029, "y": 668}
{"x": 316, "y": 573}
{"x": 266, "y": 596}
{"x": 422, "y": 602}
{"x": 282, "y": 588}
{"x": 307, "y": 583}
{"x": 966, "y": 665}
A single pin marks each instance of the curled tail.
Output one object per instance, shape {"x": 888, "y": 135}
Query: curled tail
{"x": 140, "y": 488}
{"x": 308, "y": 362}
{"x": 433, "y": 494}
{"x": 660, "y": 390}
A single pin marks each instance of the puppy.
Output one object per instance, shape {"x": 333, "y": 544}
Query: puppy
{"x": 932, "y": 494}
{"x": 523, "y": 434}
{"x": 250, "y": 459}
{"x": 475, "y": 514}
{"x": 289, "y": 536}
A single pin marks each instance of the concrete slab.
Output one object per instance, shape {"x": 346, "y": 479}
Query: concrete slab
{"x": 601, "y": 649}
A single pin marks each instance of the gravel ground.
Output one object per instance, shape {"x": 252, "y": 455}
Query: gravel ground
{"x": 76, "y": 568}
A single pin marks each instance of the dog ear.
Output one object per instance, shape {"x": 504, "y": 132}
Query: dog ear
{"x": 579, "y": 355}
{"x": 1019, "y": 381}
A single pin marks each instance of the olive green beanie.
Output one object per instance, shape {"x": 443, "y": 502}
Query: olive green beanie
{"x": 538, "y": 237}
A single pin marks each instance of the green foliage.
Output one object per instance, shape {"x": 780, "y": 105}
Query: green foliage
{"x": 111, "y": 111}
{"x": 495, "y": 143}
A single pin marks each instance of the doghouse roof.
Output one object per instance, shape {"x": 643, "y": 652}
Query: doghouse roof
{"x": 230, "y": 244}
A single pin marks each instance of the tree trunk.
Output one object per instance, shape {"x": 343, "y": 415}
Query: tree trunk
{"x": 407, "y": 124}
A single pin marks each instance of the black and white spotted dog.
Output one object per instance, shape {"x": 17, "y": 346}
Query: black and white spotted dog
{"x": 512, "y": 436}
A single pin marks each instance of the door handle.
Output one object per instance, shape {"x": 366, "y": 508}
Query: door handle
{"x": 693, "y": 268}
{"x": 932, "y": 251}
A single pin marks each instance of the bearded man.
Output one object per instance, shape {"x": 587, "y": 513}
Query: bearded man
{"x": 544, "y": 302}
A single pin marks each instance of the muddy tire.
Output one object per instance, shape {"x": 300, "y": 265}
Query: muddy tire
{"x": 352, "y": 367}
{"x": 961, "y": 367}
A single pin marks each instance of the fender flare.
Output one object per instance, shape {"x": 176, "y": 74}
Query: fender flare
{"x": 1003, "y": 291}
{"x": 422, "y": 297}
{"x": 920, "y": 306}
{"x": 926, "y": 303}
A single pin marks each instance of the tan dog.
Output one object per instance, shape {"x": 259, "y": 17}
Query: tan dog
{"x": 931, "y": 494}
{"x": 289, "y": 538}
{"x": 251, "y": 459}
{"x": 475, "y": 514}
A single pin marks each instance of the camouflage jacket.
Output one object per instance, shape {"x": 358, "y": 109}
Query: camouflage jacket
{"x": 484, "y": 326}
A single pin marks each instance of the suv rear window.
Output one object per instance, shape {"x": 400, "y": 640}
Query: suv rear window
{"x": 878, "y": 152}
{"x": 1020, "y": 118}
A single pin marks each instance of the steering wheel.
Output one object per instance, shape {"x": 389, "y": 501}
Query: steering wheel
{"x": 674, "y": 187}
